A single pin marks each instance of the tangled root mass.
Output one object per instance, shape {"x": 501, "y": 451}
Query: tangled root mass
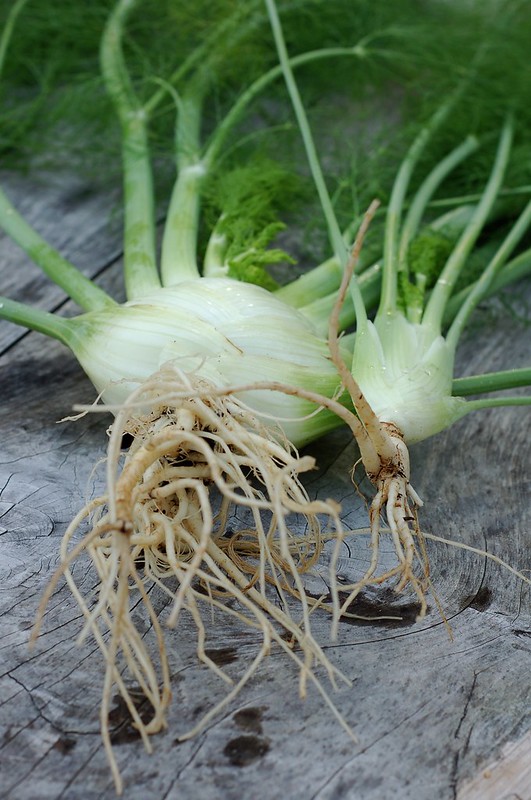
{"x": 161, "y": 523}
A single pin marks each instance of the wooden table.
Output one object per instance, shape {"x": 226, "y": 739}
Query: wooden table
{"x": 436, "y": 715}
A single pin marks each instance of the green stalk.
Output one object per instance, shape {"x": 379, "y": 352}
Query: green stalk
{"x": 442, "y": 290}
{"x": 388, "y": 302}
{"x": 85, "y": 293}
{"x": 319, "y": 310}
{"x": 427, "y": 190}
{"x": 369, "y": 281}
{"x": 473, "y": 198}
{"x": 7, "y": 32}
{"x": 235, "y": 114}
{"x": 480, "y": 287}
{"x": 518, "y": 268}
{"x": 497, "y": 402}
{"x": 214, "y": 261}
{"x": 491, "y": 382}
{"x": 42, "y": 321}
{"x": 140, "y": 265}
{"x": 312, "y": 285}
{"x": 453, "y": 223}
{"x": 315, "y": 286}
{"x": 179, "y": 243}
{"x": 336, "y": 238}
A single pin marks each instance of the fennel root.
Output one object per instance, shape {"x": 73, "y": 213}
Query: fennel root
{"x": 157, "y": 526}
{"x": 385, "y": 457}
{"x": 397, "y": 501}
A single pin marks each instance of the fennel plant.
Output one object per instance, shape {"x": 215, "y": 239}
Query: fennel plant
{"x": 400, "y": 378}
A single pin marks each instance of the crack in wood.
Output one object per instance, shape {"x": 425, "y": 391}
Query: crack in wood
{"x": 461, "y": 751}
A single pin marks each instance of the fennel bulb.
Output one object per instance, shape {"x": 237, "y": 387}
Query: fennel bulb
{"x": 406, "y": 371}
{"x": 224, "y": 330}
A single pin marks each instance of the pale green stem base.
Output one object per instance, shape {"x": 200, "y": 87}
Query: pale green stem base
{"x": 179, "y": 244}
{"x": 32, "y": 318}
{"x": 214, "y": 265}
{"x": 140, "y": 264}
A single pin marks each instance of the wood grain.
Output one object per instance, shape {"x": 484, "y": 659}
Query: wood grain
{"x": 506, "y": 778}
{"x": 430, "y": 710}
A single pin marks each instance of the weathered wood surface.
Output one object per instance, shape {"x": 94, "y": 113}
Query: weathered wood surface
{"x": 431, "y": 712}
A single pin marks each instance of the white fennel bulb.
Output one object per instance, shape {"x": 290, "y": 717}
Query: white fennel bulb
{"x": 231, "y": 333}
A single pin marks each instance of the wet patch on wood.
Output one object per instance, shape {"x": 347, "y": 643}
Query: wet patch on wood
{"x": 65, "y": 744}
{"x": 243, "y": 750}
{"x": 250, "y": 719}
{"x": 120, "y": 719}
{"x": 382, "y": 610}
{"x": 479, "y": 601}
{"x": 222, "y": 656}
